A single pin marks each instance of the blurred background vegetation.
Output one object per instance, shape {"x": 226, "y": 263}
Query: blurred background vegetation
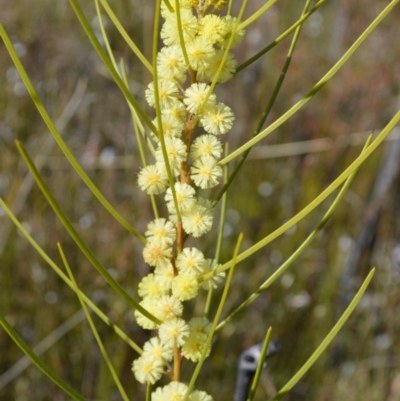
{"x": 275, "y": 183}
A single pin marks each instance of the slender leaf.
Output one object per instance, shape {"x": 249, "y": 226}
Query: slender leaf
{"x": 93, "y": 327}
{"x": 210, "y": 335}
{"x": 327, "y": 340}
{"x": 295, "y": 254}
{"x": 257, "y": 14}
{"x": 57, "y": 136}
{"x": 268, "y": 108}
{"x": 312, "y": 205}
{"x": 158, "y": 109}
{"x": 220, "y": 235}
{"x": 39, "y": 363}
{"x": 60, "y": 273}
{"x": 260, "y": 365}
{"x": 280, "y": 37}
{"x": 125, "y": 35}
{"x": 77, "y": 238}
{"x": 317, "y": 87}
{"x": 108, "y": 64}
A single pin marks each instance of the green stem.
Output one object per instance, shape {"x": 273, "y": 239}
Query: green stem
{"x": 220, "y": 235}
{"x": 320, "y": 198}
{"x": 257, "y": 14}
{"x": 180, "y": 33}
{"x": 103, "y": 56}
{"x": 267, "y": 110}
{"x": 158, "y": 109}
{"x": 225, "y": 56}
{"x": 139, "y": 140}
{"x": 125, "y": 35}
{"x": 38, "y": 362}
{"x": 93, "y": 327}
{"x": 280, "y": 37}
{"x": 207, "y": 345}
{"x": 149, "y": 386}
{"x": 260, "y": 365}
{"x": 317, "y": 87}
{"x": 67, "y": 281}
{"x": 298, "y": 251}
{"x": 327, "y": 340}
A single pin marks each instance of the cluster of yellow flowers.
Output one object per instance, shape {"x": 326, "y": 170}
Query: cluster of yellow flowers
{"x": 193, "y": 159}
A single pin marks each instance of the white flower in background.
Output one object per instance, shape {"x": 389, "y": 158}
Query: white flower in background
{"x": 169, "y": 32}
{"x": 206, "y": 145}
{"x": 164, "y": 276}
{"x": 174, "y": 391}
{"x": 200, "y": 396}
{"x": 195, "y": 96}
{"x": 198, "y": 220}
{"x": 176, "y": 152}
{"x": 184, "y": 195}
{"x": 153, "y": 180}
{"x": 176, "y": 110}
{"x": 171, "y": 126}
{"x": 228, "y": 69}
{"x": 149, "y": 287}
{"x": 173, "y": 332}
{"x": 205, "y": 172}
{"x": 211, "y": 265}
{"x": 167, "y": 91}
{"x": 199, "y": 52}
{"x": 147, "y": 369}
{"x": 183, "y": 4}
{"x": 217, "y": 119}
{"x": 170, "y": 63}
{"x": 194, "y": 346}
{"x": 190, "y": 261}
{"x": 150, "y": 304}
{"x": 185, "y": 287}
{"x": 231, "y": 22}
{"x": 199, "y": 325}
{"x": 157, "y": 254}
{"x": 213, "y": 29}
{"x": 157, "y": 350}
{"x": 169, "y": 307}
{"x": 161, "y": 230}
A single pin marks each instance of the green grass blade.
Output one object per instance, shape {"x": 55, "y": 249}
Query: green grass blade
{"x": 225, "y": 56}
{"x": 279, "y": 38}
{"x": 135, "y": 119}
{"x": 260, "y": 365}
{"x": 215, "y": 321}
{"x": 77, "y": 238}
{"x": 180, "y": 33}
{"x": 93, "y": 327}
{"x": 122, "y": 74}
{"x": 64, "y": 277}
{"x": 125, "y": 35}
{"x": 268, "y": 108}
{"x": 108, "y": 64}
{"x": 158, "y": 109}
{"x": 296, "y": 253}
{"x": 220, "y": 236}
{"x": 317, "y": 87}
{"x": 320, "y": 198}
{"x": 257, "y": 14}
{"x": 57, "y": 136}
{"x": 328, "y": 339}
{"x": 39, "y": 363}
